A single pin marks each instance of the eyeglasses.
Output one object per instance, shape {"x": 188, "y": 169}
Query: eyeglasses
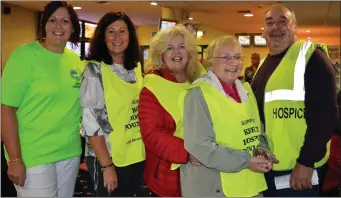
{"x": 228, "y": 58}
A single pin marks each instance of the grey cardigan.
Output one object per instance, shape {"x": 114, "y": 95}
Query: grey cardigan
{"x": 200, "y": 142}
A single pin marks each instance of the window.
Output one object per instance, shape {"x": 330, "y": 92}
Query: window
{"x": 75, "y": 48}
{"x": 259, "y": 40}
{"x": 89, "y": 29}
{"x": 165, "y": 23}
{"x": 244, "y": 40}
{"x": 86, "y": 48}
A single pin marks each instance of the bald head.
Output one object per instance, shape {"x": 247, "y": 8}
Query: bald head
{"x": 282, "y": 6}
{"x": 279, "y": 28}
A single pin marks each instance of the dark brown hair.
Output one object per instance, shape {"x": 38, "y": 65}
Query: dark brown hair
{"x": 98, "y": 50}
{"x": 49, "y": 9}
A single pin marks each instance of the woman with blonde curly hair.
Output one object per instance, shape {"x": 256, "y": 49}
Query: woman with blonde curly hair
{"x": 172, "y": 66}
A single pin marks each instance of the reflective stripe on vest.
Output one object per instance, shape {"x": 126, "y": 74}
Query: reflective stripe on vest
{"x": 168, "y": 93}
{"x": 297, "y": 94}
{"x": 237, "y": 126}
{"x": 121, "y": 100}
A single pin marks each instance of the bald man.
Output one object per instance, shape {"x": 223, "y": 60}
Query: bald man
{"x": 296, "y": 94}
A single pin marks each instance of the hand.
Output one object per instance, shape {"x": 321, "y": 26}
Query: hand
{"x": 194, "y": 161}
{"x": 300, "y": 178}
{"x": 110, "y": 179}
{"x": 17, "y": 172}
{"x": 259, "y": 164}
{"x": 267, "y": 165}
{"x": 275, "y": 160}
{"x": 266, "y": 153}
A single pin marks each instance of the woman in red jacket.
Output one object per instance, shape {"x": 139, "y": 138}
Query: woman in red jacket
{"x": 172, "y": 65}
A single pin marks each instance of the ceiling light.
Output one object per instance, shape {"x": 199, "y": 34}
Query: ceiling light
{"x": 153, "y": 3}
{"x": 190, "y": 18}
{"x": 262, "y": 28}
{"x": 77, "y": 8}
{"x": 248, "y": 14}
{"x": 307, "y": 31}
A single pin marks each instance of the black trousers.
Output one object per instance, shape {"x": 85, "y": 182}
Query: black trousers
{"x": 288, "y": 192}
{"x": 130, "y": 182}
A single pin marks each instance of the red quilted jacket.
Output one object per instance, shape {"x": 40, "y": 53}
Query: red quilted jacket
{"x": 333, "y": 174}
{"x": 162, "y": 148}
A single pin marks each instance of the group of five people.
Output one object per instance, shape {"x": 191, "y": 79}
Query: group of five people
{"x": 179, "y": 129}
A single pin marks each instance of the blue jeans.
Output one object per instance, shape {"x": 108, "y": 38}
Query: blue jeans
{"x": 288, "y": 192}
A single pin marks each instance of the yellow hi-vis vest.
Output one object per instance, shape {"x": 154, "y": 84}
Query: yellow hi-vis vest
{"x": 167, "y": 93}
{"x": 237, "y": 126}
{"x": 284, "y": 109}
{"x": 121, "y": 100}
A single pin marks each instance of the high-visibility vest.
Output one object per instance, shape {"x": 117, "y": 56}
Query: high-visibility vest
{"x": 284, "y": 108}
{"x": 167, "y": 93}
{"x": 121, "y": 100}
{"x": 237, "y": 126}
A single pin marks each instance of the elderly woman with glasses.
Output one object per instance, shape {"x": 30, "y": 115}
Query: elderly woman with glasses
{"x": 222, "y": 129}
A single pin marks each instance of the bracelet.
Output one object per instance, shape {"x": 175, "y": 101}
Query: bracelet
{"x": 105, "y": 167}
{"x": 17, "y": 159}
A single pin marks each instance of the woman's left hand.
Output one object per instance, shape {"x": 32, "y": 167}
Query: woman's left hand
{"x": 268, "y": 165}
{"x": 110, "y": 179}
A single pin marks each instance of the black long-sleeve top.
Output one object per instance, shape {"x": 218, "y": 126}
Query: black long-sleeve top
{"x": 320, "y": 102}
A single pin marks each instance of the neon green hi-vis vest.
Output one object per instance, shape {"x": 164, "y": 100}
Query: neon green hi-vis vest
{"x": 121, "y": 100}
{"x": 237, "y": 126}
{"x": 167, "y": 93}
{"x": 284, "y": 109}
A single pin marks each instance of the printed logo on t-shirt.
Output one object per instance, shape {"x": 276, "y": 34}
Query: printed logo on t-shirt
{"x": 74, "y": 75}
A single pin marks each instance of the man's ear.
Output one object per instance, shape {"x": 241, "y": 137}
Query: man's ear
{"x": 296, "y": 29}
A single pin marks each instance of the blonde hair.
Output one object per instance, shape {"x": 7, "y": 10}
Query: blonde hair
{"x": 159, "y": 45}
{"x": 216, "y": 44}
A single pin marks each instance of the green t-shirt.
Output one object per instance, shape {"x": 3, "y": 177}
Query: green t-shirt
{"x": 45, "y": 88}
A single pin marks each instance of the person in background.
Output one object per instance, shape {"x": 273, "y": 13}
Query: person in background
{"x": 172, "y": 66}
{"x": 331, "y": 183}
{"x": 222, "y": 129}
{"x": 250, "y": 71}
{"x": 110, "y": 88}
{"x": 40, "y": 108}
{"x": 296, "y": 93}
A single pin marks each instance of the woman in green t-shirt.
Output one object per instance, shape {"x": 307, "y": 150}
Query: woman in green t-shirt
{"x": 40, "y": 108}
